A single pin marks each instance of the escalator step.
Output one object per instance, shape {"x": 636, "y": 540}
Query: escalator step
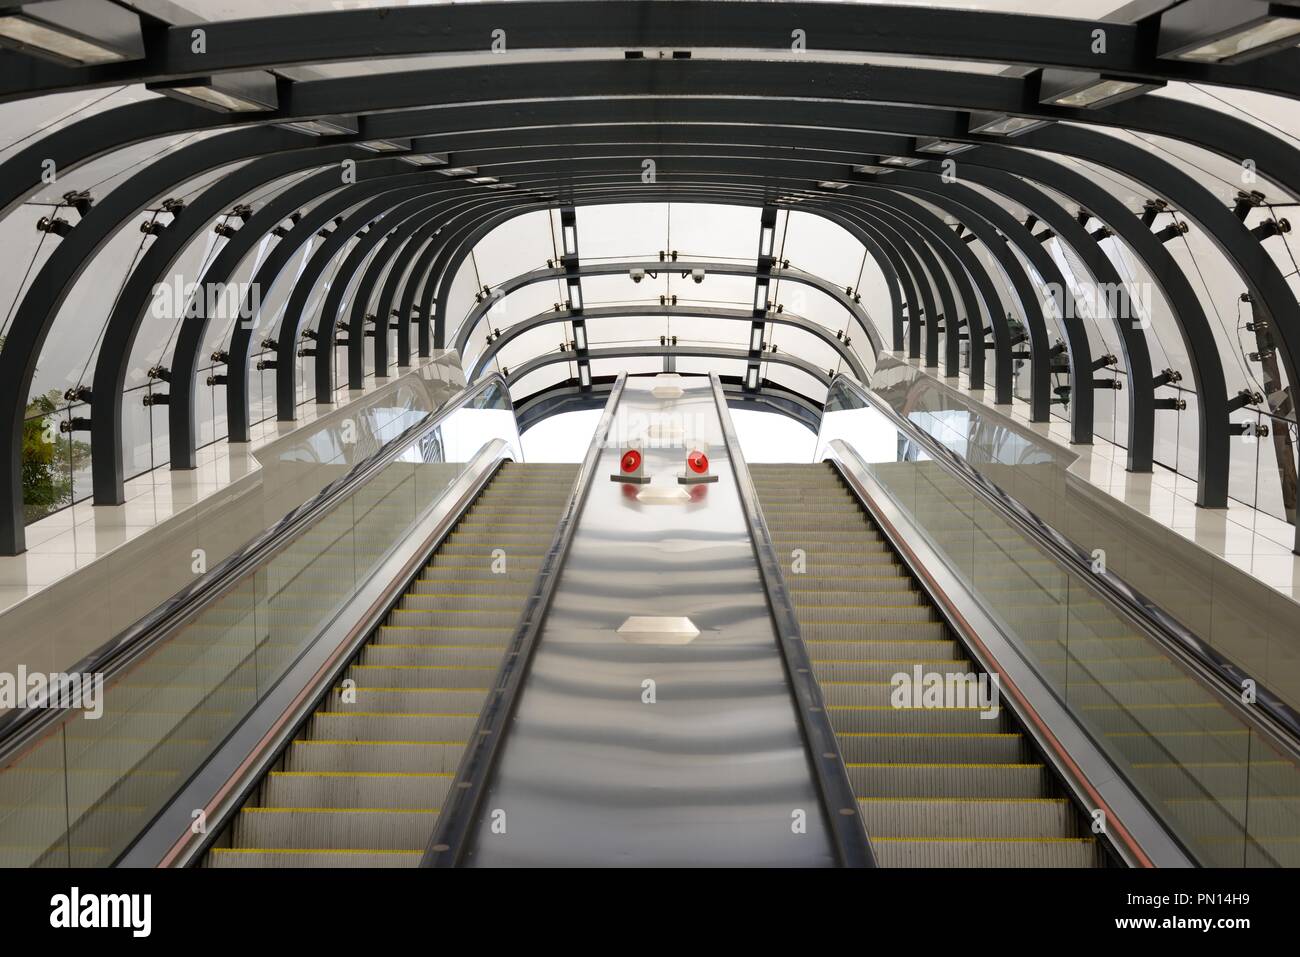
{"x": 992, "y": 852}
{"x": 362, "y": 785}
{"x": 938, "y": 787}
{"x": 966, "y": 817}
{"x": 297, "y": 857}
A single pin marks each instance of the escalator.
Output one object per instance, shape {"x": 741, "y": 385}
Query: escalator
{"x": 362, "y": 783}
{"x": 937, "y": 787}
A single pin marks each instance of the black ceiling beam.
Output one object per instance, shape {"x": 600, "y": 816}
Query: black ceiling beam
{"x": 567, "y": 397}
{"x": 781, "y": 84}
{"x": 303, "y": 39}
{"x": 704, "y": 351}
{"x": 1091, "y": 199}
{"x": 685, "y": 310}
{"x": 1006, "y": 151}
{"x": 291, "y": 321}
{"x": 712, "y": 268}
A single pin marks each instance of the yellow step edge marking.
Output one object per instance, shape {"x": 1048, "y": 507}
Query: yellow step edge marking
{"x": 426, "y": 667}
{"x": 929, "y": 734}
{"x": 452, "y": 627}
{"x": 432, "y": 644}
{"x": 882, "y": 641}
{"x": 987, "y": 840}
{"x": 470, "y": 594}
{"x": 339, "y": 810}
{"x": 863, "y": 684}
{"x": 889, "y": 661}
{"x": 307, "y": 850}
{"x": 890, "y": 707}
{"x": 399, "y": 714}
{"x": 394, "y": 743}
{"x": 966, "y": 800}
{"x": 366, "y": 688}
{"x": 933, "y": 764}
{"x": 362, "y": 774}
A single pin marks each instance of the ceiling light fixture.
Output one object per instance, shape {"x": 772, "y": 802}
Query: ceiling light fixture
{"x": 326, "y": 126}
{"x": 932, "y": 144}
{"x": 1086, "y": 91}
{"x": 1000, "y": 124}
{"x": 250, "y": 92}
{"x": 73, "y": 32}
{"x": 1212, "y": 31}
{"x": 392, "y": 145}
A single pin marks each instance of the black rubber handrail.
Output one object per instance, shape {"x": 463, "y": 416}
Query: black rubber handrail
{"x": 21, "y": 726}
{"x": 454, "y": 833}
{"x": 835, "y": 790}
{"x": 1270, "y": 715}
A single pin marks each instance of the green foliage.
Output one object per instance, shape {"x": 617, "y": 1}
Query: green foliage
{"x": 49, "y": 457}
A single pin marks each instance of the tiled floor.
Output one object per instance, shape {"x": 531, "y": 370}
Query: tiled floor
{"x": 72, "y": 538}
{"x": 1251, "y": 540}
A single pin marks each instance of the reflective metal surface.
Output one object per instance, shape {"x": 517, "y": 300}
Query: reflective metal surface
{"x": 645, "y": 753}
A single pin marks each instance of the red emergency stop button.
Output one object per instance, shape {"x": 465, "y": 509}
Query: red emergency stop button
{"x": 697, "y": 462}
{"x": 631, "y": 461}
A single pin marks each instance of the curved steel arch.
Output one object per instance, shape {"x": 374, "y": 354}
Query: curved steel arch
{"x": 391, "y": 190}
{"x": 182, "y": 426}
{"x": 1253, "y": 265}
{"x": 34, "y": 316}
{"x": 945, "y": 90}
{"x": 292, "y": 319}
{"x": 132, "y": 303}
{"x": 1137, "y": 357}
{"x": 570, "y": 396}
{"x": 1139, "y": 380}
{"x": 694, "y": 351}
{"x": 301, "y": 39}
{"x": 615, "y": 269}
{"x": 967, "y": 267}
{"x": 517, "y": 329}
{"x": 1067, "y": 181}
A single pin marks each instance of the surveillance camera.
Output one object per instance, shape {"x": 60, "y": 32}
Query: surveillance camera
{"x": 697, "y": 275}
{"x": 636, "y": 275}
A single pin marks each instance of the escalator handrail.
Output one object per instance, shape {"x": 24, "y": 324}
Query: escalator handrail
{"x": 1269, "y": 715}
{"x": 454, "y": 831}
{"x": 21, "y": 726}
{"x": 835, "y": 790}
